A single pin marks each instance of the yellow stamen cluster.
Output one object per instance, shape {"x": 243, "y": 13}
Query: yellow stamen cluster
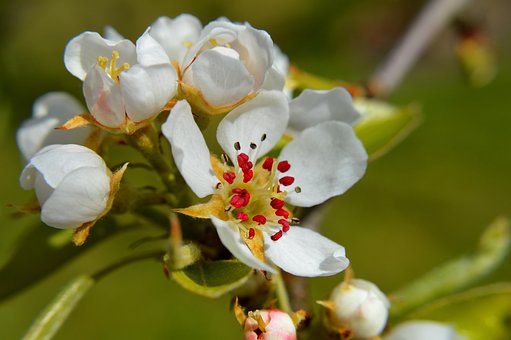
{"x": 111, "y": 68}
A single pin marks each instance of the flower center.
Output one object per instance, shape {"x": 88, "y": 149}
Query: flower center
{"x": 111, "y": 68}
{"x": 253, "y": 194}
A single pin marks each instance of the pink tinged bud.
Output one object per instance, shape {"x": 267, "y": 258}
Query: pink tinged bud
{"x": 360, "y": 308}
{"x": 271, "y": 324}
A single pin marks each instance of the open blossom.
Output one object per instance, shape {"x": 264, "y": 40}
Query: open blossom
{"x": 248, "y": 204}
{"x": 50, "y": 111}
{"x": 268, "y": 325}
{"x": 423, "y": 330}
{"x": 219, "y": 66}
{"x": 124, "y": 88}
{"x": 72, "y": 183}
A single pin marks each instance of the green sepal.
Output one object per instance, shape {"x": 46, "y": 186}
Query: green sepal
{"x": 212, "y": 279}
{"x": 383, "y": 125}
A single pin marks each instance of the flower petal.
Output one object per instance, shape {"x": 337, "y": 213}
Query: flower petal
{"x": 82, "y": 52}
{"x": 221, "y": 77}
{"x": 423, "y": 330}
{"x": 273, "y": 80}
{"x": 104, "y": 98}
{"x": 54, "y": 162}
{"x": 80, "y": 197}
{"x": 303, "y": 252}
{"x": 50, "y": 111}
{"x": 146, "y": 90}
{"x": 149, "y": 51}
{"x": 312, "y": 107}
{"x": 267, "y": 114}
{"x": 231, "y": 239}
{"x": 189, "y": 149}
{"x": 326, "y": 160}
{"x": 111, "y": 34}
{"x": 175, "y": 34}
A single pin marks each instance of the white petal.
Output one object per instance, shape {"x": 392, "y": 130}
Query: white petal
{"x": 231, "y": 239}
{"x": 256, "y": 50}
{"x": 82, "y": 52}
{"x": 423, "y": 330}
{"x": 111, "y": 34}
{"x": 326, "y": 160}
{"x": 104, "y": 98}
{"x": 149, "y": 51}
{"x": 274, "y": 80}
{"x": 280, "y": 60}
{"x": 303, "y": 252}
{"x": 54, "y": 162}
{"x": 80, "y": 197}
{"x": 222, "y": 79}
{"x": 266, "y": 114}
{"x": 312, "y": 107}
{"x": 146, "y": 90}
{"x": 189, "y": 149}
{"x": 175, "y": 34}
{"x": 50, "y": 111}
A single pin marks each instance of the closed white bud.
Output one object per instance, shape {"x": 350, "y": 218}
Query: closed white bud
{"x": 358, "y": 308}
{"x": 423, "y": 330}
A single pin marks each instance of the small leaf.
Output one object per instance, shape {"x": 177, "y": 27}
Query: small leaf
{"x": 212, "y": 279}
{"x": 457, "y": 274}
{"x": 478, "y": 314}
{"x": 383, "y": 125}
{"x": 53, "y": 316}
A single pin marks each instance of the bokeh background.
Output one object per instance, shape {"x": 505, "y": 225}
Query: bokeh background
{"x": 425, "y": 202}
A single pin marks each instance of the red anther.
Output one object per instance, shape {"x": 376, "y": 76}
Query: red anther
{"x": 242, "y": 216}
{"x": 241, "y": 198}
{"x": 276, "y": 236}
{"x": 247, "y": 176}
{"x": 229, "y": 177}
{"x": 283, "y": 166}
{"x": 284, "y": 224}
{"x": 286, "y": 180}
{"x": 251, "y": 233}
{"x": 260, "y": 219}
{"x": 268, "y": 163}
{"x": 278, "y": 189}
{"x": 244, "y": 162}
{"x": 276, "y": 203}
{"x": 282, "y": 213}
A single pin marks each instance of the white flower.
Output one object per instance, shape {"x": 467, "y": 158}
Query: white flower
{"x": 248, "y": 199}
{"x": 121, "y": 94}
{"x": 423, "y": 330}
{"x": 72, "y": 184}
{"x": 269, "y": 324}
{"x": 359, "y": 308}
{"x": 50, "y": 111}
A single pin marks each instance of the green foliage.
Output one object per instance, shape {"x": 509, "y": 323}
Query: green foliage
{"x": 54, "y": 315}
{"x": 213, "y": 279}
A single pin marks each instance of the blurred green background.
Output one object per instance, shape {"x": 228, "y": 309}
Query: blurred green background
{"x": 424, "y": 203}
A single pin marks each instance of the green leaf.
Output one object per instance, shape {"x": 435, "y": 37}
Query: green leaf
{"x": 479, "y": 314}
{"x": 42, "y": 250}
{"x": 457, "y": 274}
{"x": 53, "y": 316}
{"x": 383, "y": 125}
{"x": 213, "y": 279}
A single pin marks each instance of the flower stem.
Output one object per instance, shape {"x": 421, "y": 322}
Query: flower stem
{"x": 282, "y": 295}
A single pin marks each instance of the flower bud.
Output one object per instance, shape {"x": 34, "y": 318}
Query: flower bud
{"x": 423, "y": 330}
{"x": 73, "y": 185}
{"x": 358, "y": 308}
{"x": 270, "y": 324}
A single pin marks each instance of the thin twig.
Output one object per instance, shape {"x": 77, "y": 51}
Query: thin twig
{"x": 430, "y": 21}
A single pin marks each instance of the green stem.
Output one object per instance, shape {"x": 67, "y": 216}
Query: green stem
{"x": 282, "y": 295}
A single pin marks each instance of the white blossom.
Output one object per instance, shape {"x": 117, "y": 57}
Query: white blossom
{"x": 423, "y": 330}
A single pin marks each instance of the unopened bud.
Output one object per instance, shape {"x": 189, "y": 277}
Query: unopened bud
{"x": 423, "y": 330}
{"x": 268, "y": 325}
{"x": 358, "y": 308}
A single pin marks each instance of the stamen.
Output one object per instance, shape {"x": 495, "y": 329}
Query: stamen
{"x": 225, "y": 158}
{"x": 263, "y": 137}
{"x": 237, "y": 146}
{"x": 247, "y": 175}
{"x": 298, "y": 190}
{"x": 285, "y": 225}
{"x": 229, "y": 177}
{"x": 282, "y": 213}
{"x": 253, "y": 146}
{"x": 268, "y": 163}
{"x": 251, "y": 233}
{"x": 260, "y": 219}
{"x": 241, "y": 198}
{"x": 277, "y": 204}
{"x": 283, "y": 166}
{"x": 286, "y": 180}
{"x": 295, "y": 220}
{"x": 218, "y": 185}
{"x": 242, "y": 216}
{"x": 244, "y": 162}
{"x": 276, "y": 236}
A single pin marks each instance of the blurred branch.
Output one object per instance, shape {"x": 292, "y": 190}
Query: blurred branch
{"x": 457, "y": 274}
{"x": 431, "y": 20}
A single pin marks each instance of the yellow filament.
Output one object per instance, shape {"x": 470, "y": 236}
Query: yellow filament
{"x": 112, "y": 71}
